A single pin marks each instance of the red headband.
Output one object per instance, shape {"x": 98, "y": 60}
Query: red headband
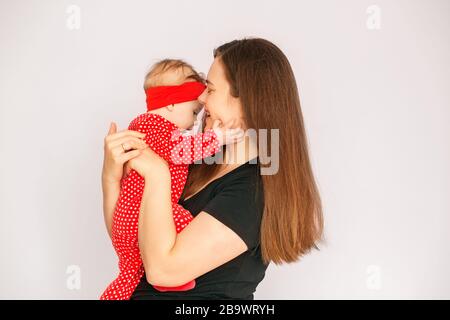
{"x": 162, "y": 96}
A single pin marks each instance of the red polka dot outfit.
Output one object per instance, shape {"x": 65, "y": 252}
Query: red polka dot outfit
{"x": 165, "y": 138}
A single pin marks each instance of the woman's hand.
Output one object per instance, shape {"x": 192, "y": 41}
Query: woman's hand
{"x": 227, "y": 134}
{"x": 115, "y": 144}
{"x": 149, "y": 165}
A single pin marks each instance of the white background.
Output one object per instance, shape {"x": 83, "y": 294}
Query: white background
{"x": 375, "y": 103}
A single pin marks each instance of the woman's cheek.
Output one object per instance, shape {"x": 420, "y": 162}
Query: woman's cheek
{"x": 219, "y": 111}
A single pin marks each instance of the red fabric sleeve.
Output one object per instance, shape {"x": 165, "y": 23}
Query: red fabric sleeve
{"x": 167, "y": 140}
{"x": 191, "y": 148}
{"x": 158, "y": 132}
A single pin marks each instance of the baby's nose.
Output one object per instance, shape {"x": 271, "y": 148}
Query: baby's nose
{"x": 202, "y": 97}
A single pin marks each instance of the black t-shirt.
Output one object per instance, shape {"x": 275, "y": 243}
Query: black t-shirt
{"x": 236, "y": 199}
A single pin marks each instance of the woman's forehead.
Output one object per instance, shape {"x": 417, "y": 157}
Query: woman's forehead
{"x": 216, "y": 74}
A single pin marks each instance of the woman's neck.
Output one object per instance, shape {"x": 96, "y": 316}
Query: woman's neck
{"x": 236, "y": 155}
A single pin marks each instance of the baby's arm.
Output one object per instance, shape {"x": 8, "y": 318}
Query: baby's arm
{"x": 188, "y": 149}
{"x": 168, "y": 142}
{"x": 172, "y": 146}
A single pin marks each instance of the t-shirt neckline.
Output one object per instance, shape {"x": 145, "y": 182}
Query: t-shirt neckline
{"x": 242, "y": 166}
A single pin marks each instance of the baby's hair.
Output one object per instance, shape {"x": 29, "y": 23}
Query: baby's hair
{"x": 171, "y": 72}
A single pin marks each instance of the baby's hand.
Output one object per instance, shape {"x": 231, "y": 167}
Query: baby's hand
{"x": 227, "y": 135}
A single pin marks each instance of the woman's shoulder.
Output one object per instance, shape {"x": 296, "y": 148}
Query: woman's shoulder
{"x": 246, "y": 174}
{"x": 241, "y": 185}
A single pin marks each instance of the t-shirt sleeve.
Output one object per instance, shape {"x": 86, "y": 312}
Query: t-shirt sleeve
{"x": 239, "y": 206}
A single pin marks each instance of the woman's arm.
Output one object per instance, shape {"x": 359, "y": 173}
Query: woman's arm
{"x": 111, "y": 190}
{"x": 172, "y": 259}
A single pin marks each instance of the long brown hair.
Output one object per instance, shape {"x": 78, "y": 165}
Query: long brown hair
{"x": 261, "y": 76}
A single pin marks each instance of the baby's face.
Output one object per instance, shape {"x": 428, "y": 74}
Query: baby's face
{"x": 184, "y": 114}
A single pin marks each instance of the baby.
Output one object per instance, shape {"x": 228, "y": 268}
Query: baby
{"x": 172, "y": 88}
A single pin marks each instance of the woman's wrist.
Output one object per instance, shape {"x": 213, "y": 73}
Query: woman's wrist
{"x": 110, "y": 175}
{"x": 107, "y": 179}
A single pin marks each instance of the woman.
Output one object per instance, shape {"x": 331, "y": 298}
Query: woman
{"x": 243, "y": 220}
